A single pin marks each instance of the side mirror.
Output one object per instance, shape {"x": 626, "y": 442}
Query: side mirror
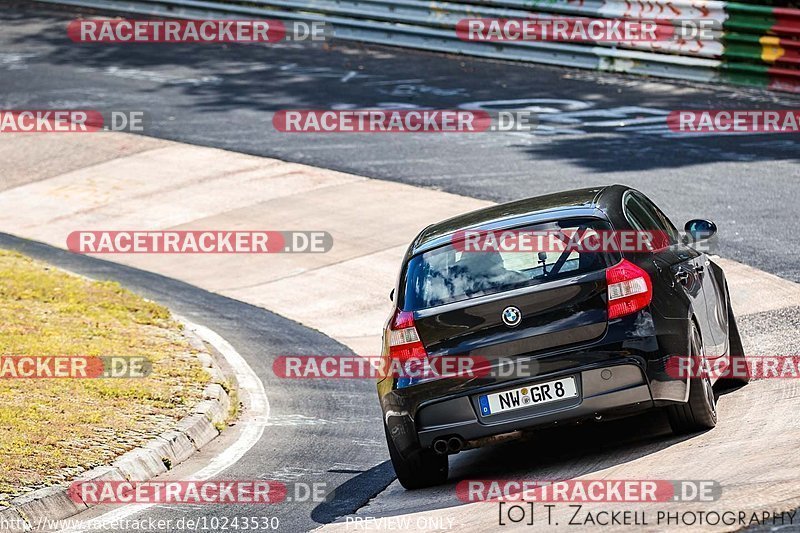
{"x": 699, "y": 230}
{"x": 391, "y": 295}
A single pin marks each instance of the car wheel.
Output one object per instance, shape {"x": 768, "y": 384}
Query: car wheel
{"x": 737, "y": 356}
{"x": 423, "y": 468}
{"x": 700, "y": 412}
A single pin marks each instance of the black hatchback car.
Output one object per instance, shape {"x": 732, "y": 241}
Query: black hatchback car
{"x": 593, "y": 330}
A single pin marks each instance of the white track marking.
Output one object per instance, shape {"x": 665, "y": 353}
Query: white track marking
{"x": 257, "y": 409}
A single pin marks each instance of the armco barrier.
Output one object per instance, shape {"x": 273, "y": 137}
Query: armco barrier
{"x": 756, "y": 45}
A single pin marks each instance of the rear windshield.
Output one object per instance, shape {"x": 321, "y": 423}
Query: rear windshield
{"x": 448, "y": 274}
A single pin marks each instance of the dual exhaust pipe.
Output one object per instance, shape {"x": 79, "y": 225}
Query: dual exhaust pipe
{"x": 448, "y": 446}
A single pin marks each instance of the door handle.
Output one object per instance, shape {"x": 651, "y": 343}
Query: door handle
{"x": 682, "y": 276}
{"x": 699, "y": 268}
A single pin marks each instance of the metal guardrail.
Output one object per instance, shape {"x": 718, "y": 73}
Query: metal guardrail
{"x": 756, "y": 45}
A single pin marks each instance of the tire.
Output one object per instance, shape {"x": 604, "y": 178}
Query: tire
{"x": 736, "y": 351}
{"x": 423, "y": 468}
{"x": 700, "y": 412}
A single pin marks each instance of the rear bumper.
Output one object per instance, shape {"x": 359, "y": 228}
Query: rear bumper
{"x": 618, "y": 388}
{"x": 635, "y": 349}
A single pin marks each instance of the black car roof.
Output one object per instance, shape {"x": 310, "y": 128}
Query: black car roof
{"x": 577, "y": 202}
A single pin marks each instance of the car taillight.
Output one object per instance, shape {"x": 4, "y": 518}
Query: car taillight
{"x": 629, "y": 289}
{"x": 404, "y": 343}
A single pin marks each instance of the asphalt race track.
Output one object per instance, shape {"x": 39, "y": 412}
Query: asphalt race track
{"x": 594, "y": 128}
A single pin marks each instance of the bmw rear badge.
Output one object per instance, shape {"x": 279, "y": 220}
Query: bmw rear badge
{"x": 511, "y": 316}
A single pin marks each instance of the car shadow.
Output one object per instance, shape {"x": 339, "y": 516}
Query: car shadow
{"x": 556, "y": 453}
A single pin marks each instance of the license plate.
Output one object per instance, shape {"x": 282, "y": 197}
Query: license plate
{"x": 530, "y": 395}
